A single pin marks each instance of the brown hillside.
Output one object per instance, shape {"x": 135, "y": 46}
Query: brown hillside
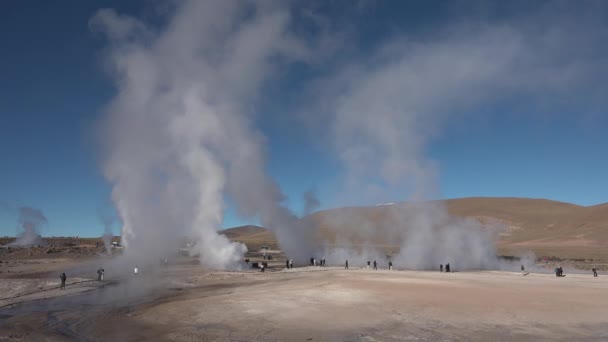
{"x": 543, "y": 226}
{"x": 253, "y": 236}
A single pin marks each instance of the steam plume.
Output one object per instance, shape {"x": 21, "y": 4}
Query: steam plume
{"x": 108, "y": 218}
{"x": 30, "y": 222}
{"x": 311, "y": 202}
{"x": 387, "y": 108}
{"x": 178, "y": 136}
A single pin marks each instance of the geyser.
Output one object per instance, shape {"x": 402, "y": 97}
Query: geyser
{"x": 178, "y": 137}
{"x": 30, "y": 222}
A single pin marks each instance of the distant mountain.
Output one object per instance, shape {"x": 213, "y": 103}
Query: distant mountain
{"x": 248, "y": 233}
{"x": 544, "y": 226}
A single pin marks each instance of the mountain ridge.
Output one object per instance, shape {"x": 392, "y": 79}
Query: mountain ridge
{"x": 544, "y": 226}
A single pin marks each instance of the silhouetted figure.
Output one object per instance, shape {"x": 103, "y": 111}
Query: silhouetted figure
{"x": 368, "y": 263}
{"x": 346, "y": 265}
{"x": 63, "y": 278}
{"x": 441, "y": 268}
{"x": 287, "y": 264}
{"x": 102, "y": 273}
{"x": 523, "y": 270}
{"x": 594, "y": 272}
{"x": 99, "y": 274}
{"x": 323, "y": 262}
{"x": 375, "y": 265}
{"x": 561, "y": 272}
{"x": 390, "y": 265}
{"x": 290, "y": 263}
{"x": 556, "y": 272}
{"x": 312, "y": 261}
{"x": 447, "y": 268}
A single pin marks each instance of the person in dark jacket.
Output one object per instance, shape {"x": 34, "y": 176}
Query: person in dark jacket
{"x": 441, "y": 268}
{"x": 346, "y": 265}
{"x": 375, "y": 265}
{"x": 390, "y": 265}
{"x": 594, "y": 271}
{"x": 63, "y": 278}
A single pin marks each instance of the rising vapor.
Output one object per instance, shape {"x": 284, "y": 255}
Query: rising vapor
{"x": 387, "y": 107}
{"x": 108, "y": 218}
{"x": 30, "y": 221}
{"x": 178, "y": 136}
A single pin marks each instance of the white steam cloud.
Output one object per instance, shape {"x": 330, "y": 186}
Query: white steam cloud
{"x": 30, "y": 221}
{"x": 388, "y": 106}
{"x": 108, "y": 217}
{"x": 178, "y": 137}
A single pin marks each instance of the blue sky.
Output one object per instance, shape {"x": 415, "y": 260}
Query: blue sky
{"x": 53, "y": 89}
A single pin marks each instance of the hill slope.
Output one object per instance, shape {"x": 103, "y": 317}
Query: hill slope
{"x": 543, "y": 226}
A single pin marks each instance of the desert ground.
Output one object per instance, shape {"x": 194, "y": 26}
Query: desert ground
{"x": 183, "y": 301}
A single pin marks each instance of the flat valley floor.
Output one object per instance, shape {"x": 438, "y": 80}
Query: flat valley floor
{"x": 185, "y": 303}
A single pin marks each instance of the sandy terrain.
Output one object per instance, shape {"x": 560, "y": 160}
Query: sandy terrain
{"x": 186, "y": 303}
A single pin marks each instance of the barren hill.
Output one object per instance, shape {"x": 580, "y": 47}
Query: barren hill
{"x": 546, "y": 227}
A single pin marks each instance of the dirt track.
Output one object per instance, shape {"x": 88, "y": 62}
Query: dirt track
{"x": 328, "y": 304}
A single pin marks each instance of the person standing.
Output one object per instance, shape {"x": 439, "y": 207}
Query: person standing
{"x": 523, "y": 270}
{"x": 287, "y": 264}
{"x": 346, "y": 265}
{"x": 441, "y": 268}
{"x": 375, "y": 265}
{"x": 368, "y": 263}
{"x": 390, "y": 265}
{"x": 290, "y": 263}
{"x": 63, "y": 278}
{"x": 594, "y": 271}
{"x": 102, "y": 272}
